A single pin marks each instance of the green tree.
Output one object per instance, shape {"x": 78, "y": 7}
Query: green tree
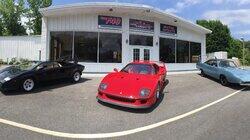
{"x": 11, "y": 12}
{"x": 1, "y": 27}
{"x": 220, "y": 39}
{"x": 35, "y": 17}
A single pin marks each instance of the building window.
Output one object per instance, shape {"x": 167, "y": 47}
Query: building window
{"x": 195, "y": 52}
{"x": 136, "y": 54}
{"x": 61, "y": 45}
{"x": 86, "y": 46}
{"x": 182, "y": 51}
{"x": 110, "y": 47}
{"x": 167, "y": 50}
{"x": 141, "y": 40}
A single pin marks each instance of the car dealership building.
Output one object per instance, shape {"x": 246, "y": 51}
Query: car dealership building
{"x": 103, "y": 36}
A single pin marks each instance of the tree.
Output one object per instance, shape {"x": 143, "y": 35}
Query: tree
{"x": 1, "y": 27}
{"x": 10, "y": 13}
{"x": 35, "y": 18}
{"x": 220, "y": 39}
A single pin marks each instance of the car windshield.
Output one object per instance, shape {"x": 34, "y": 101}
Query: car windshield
{"x": 139, "y": 69}
{"x": 228, "y": 64}
{"x": 27, "y": 66}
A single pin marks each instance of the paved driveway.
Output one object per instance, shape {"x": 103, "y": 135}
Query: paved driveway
{"x": 72, "y": 108}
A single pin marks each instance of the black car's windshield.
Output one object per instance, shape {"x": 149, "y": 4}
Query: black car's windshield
{"x": 139, "y": 69}
{"x": 226, "y": 63}
{"x": 28, "y": 66}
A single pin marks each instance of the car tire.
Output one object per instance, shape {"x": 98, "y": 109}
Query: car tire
{"x": 158, "y": 92}
{"x": 202, "y": 73}
{"x": 223, "y": 80}
{"x": 28, "y": 84}
{"x": 76, "y": 76}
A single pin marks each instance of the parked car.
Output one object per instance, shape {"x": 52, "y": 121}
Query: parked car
{"x": 137, "y": 85}
{"x": 26, "y": 78}
{"x": 225, "y": 70}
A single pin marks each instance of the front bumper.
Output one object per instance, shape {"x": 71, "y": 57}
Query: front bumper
{"x": 245, "y": 83}
{"x": 128, "y": 103}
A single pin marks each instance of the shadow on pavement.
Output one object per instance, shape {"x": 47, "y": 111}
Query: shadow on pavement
{"x": 140, "y": 111}
{"x": 232, "y": 86}
{"x": 46, "y": 86}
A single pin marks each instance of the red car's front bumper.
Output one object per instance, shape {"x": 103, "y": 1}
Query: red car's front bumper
{"x": 126, "y": 102}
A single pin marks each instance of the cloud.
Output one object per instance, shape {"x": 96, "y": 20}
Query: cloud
{"x": 245, "y": 32}
{"x": 238, "y": 2}
{"x": 182, "y": 4}
{"x": 229, "y": 17}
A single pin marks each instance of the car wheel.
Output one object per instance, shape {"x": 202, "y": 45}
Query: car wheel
{"x": 158, "y": 92}
{"x": 28, "y": 84}
{"x": 202, "y": 73}
{"x": 223, "y": 80}
{"x": 76, "y": 76}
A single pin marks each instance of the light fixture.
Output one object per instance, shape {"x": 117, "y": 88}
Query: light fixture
{"x": 111, "y": 9}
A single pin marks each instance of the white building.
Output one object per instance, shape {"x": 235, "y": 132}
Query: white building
{"x": 107, "y": 35}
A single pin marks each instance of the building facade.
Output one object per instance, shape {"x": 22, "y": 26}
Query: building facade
{"x": 103, "y": 36}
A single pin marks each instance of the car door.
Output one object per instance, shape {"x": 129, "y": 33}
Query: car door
{"x": 214, "y": 70}
{"x": 59, "y": 71}
{"x": 207, "y": 67}
{"x": 45, "y": 71}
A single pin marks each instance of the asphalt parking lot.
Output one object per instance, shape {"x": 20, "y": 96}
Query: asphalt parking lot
{"x": 72, "y": 108}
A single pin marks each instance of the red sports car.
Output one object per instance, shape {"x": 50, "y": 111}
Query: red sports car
{"x": 137, "y": 85}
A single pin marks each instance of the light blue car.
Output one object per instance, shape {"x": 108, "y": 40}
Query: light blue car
{"x": 224, "y": 70}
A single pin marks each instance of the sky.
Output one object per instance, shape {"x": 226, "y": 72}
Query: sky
{"x": 234, "y": 13}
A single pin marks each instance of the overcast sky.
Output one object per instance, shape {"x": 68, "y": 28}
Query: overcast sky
{"x": 234, "y": 13}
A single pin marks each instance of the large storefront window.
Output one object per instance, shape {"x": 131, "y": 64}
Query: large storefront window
{"x": 110, "y": 48}
{"x": 182, "y": 51}
{"x": 86, "y": 46}
{"x": 167, "y": 50}
{"x": 140, "y": 40}
{"x": 61, "y": 45}
{"x": 195, "y": 52}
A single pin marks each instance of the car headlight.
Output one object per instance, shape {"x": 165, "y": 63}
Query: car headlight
{"x": 103, "y": 86}
{"x": 6, "y": 79}
{"x": 144, "y": 92}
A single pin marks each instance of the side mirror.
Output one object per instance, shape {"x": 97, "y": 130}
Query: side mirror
{"x": 115, "y": 69}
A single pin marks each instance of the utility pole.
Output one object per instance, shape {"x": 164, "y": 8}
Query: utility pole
{"x": 243, "y": 51}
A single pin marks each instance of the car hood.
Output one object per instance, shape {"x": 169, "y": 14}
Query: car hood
{"x": 243, "y": 74}
{"x": 10, "y": 72}
{"x": 129, "y": 85}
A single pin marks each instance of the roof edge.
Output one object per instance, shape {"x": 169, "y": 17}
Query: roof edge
{"x": 142, "y": 6}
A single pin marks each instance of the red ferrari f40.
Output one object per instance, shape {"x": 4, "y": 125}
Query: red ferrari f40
{"x": 138, "y": 85}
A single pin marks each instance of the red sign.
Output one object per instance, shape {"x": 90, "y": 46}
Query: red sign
{"x": 109, "y": 22}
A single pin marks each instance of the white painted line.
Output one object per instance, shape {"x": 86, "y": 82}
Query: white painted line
{"x": 114, "y": 134}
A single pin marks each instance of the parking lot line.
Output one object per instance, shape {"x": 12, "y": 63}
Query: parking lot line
{"x": 114, "y": 134}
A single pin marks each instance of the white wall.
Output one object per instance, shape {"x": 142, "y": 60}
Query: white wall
{"x": 89, "y": 22}
{"x": 20, "y": 47}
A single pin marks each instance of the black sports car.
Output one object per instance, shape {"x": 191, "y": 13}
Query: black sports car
{"x": 26, "y": 78}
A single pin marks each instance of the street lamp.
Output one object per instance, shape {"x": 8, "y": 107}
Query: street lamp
{"x": 243, "y": 51}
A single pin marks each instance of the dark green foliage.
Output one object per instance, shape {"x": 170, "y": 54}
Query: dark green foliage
{"x": 220, "y": 39}
{"x": 11, "y": 12}
{"x": 35, "y": 18}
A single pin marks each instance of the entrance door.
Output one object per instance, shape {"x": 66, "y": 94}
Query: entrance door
{"x": 141, "y": 54}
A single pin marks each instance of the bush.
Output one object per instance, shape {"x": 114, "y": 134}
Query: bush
{"x": 14, "y": 61}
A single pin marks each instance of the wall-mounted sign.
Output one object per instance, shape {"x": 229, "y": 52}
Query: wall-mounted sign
{"x": 168, "y": 29}
{"x": 109, "y": 22}
{"x": 141, "y": 25}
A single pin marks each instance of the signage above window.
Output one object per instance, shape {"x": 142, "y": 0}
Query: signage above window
{"x": 141, "y": 25}
{"x": 109, "y": 22}
{"x": 168, "y": 29}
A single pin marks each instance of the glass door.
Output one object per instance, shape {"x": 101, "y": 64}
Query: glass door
{"x": 141, "y": 54}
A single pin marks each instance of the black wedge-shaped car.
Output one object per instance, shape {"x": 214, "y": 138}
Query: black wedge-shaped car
{"x": 27, "y": 77}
